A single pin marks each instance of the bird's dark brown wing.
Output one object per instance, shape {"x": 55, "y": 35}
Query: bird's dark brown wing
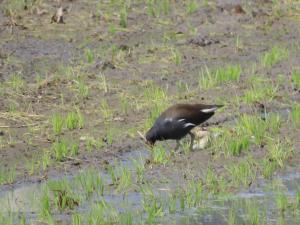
{"x": 192, "y": 113}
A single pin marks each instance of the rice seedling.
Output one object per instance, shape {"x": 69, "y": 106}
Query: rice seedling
{"x": 114, "y": 51}
{"x": 231, "y": 217}
{"x": 63, "y": 197}
{"x": 238, "y": 43}
{"x": 106, "y": 111}
{"x": 124, "y": 104}
{"x": 97, "y": 214}
{"x": 90, "y": 181}
{"x": 113, "y": 173}
{"x": 252, "y": 126}
{"x": 45, "y": 208}
{"x": 158, "y": 98}
{"x": 46, "y": 159}
{"x": 253, "y": 213}
{"x": 182, "y": 87}
{"x": 243, "y": 172}
{"x": 296, "y": 79}
{"x": 165, "y": 6}
{"x": 111, "y": 135}
{"x": 89, "y": 56}
{"x": 153, "y": 208}
{"x": 102, "y": 213}
{"x": 2, "y": 176}
{"x": 182, "y": 201}
{"x": 31, "y": 166}
{"x": 139, "y": 169}
{"x": 209, "y": 79}
{"x": 7, "y": 175}
{"x": 147, "y": 59}
{"x": 7, "y": 219}
{"x": 151, "y": 10}
{"x": 185, "y": 147}
{"x": 282, "y": 202}
{"x": 103, "y": 85}
{"x": 231, "y": 143}
{"x": 279, "y": 151}
{"x": 13, "y": 106}
{"x": 82, "y": 89}
{"x": 13, "y": 7}
{"x": 274, "y": 122}
{"x": 194, "y": 193}
{"x": 62, "y": 148}
{"x": 74, "y": 120}
{"x": 123, "y": 17}
{"x": 294, "y": 116}
{"x": 275, "y": 55}
{"x": 71, "y": 120}
{"x": 176, "y": 56}
{"x": 159, "y": 155}
{"x": 57, "y": 124}
{"x": 76, "y": 219}
{"x": 268, "y": 168}
{"x": 22, "y": 219}
{"x": 172, "y": 202}
{"x": 298, "y": 198}
{"x": 93, "y": 144}
{"x": 62, "y": 99}
{"x": 260, "y": 90}
{"x": 126, "y": 218}
{"x": 237, "y": 145}
{"x": 192, "y": 6}
{"x": 212, "y": 181}
{"x": 124, "y": 179}
{"x": 16, "y": 82}
{"x": 112, "y": 29}
{"x": 73, "y": 148}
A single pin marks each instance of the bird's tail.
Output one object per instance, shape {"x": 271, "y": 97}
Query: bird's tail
{"x": 211, "y": 108}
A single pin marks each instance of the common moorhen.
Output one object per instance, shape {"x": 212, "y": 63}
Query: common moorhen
{"x": 178, "y": 120}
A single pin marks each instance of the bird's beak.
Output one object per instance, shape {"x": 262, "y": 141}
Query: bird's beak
{"x": 150, "y": 144}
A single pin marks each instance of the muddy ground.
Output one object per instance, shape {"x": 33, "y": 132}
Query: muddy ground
{"x": 46, "y": 66}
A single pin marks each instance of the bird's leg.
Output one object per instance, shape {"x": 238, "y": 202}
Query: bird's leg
{"x": 177, "y": 145}
{"x": 192, "y": 140}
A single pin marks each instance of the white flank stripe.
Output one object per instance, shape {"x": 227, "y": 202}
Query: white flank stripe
{"x": 188, "y": 124}
{"x": 209, "y": 110}
{"x": 181, "y": 120}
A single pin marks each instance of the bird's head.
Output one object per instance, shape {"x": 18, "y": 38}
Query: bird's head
{"x": 151, "y": 137}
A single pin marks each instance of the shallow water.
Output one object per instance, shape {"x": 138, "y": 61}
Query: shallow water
{"x": 213, "y": 210}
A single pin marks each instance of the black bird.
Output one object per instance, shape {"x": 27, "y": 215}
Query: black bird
{"x": 178, "y": 120}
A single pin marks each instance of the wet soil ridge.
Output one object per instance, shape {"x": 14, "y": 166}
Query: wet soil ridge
{"x": 80, "y": 80}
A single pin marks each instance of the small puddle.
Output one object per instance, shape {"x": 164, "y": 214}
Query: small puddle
{"x": 282, "y": 112}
